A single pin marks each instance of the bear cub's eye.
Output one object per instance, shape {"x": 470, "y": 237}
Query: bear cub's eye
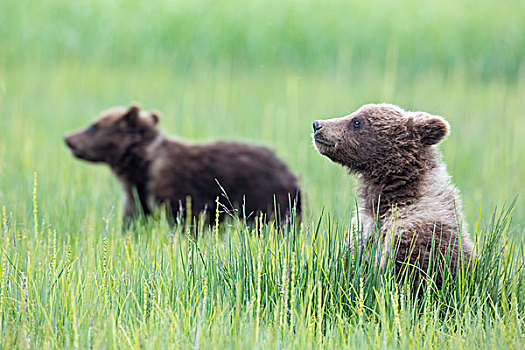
{"x": 92, "y": 129}
{"x": 356, "y": 123}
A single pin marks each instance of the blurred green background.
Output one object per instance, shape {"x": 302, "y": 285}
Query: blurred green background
{"x": 259, "y": 71}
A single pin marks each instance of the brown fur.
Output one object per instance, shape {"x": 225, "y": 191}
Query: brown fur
{"x": 403, "y": 182}
{"x": 153, "y": 168}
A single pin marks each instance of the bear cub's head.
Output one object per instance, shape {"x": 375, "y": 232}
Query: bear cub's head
{"x": 380, "y": 139}
{"x": 115, "y": 133}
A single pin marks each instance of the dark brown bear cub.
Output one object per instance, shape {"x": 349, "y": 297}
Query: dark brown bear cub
{"x": 159, "y": 170}
{"x": 404, "y": 186}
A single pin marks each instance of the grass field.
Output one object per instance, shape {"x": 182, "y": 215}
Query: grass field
{"x": 258, "y": 71}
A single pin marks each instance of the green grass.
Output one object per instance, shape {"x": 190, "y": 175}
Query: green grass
{"x": 260, "y": 72}
{"x": 485, "y": 38}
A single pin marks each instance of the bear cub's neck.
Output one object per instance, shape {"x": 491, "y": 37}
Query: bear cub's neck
{"x": 381, "y": 193}
{"x": 133, "y": 168}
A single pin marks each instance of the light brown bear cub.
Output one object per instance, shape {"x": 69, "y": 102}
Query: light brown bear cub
{"x": 153, "y": 168}
{"x": 403, "y": 181}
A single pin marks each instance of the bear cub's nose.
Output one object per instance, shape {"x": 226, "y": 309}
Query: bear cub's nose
{"x": 317, "y": 125}
{"x": 68, "y": 142}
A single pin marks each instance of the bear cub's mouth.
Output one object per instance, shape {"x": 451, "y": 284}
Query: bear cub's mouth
{"x": 78, "y": 154}
{"x": 322, "y": 141}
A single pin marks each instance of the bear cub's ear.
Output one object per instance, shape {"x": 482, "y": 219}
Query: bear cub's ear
{"x": 155, "y": 116}
{"x": 429, "y": 129}
{"x": 132, "y": 114}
